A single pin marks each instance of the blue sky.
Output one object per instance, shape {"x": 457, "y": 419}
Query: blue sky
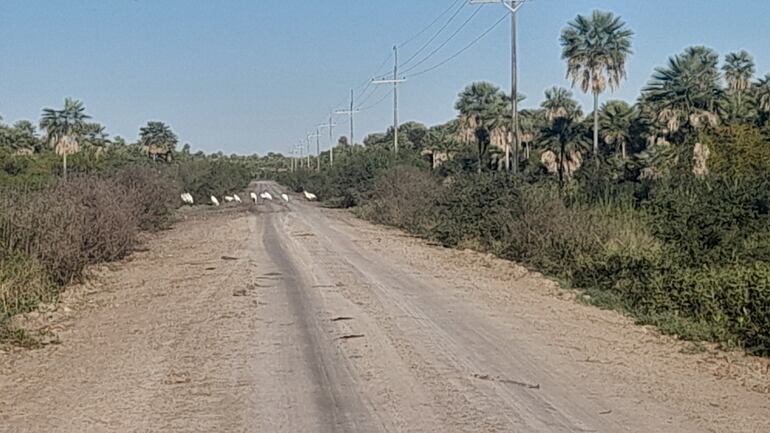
{"x": 254, "y": 76}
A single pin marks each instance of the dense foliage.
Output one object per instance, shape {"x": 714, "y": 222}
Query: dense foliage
{"x": 670, "y": 222}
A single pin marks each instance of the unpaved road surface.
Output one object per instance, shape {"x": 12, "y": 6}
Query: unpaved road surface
{"x": 291, "y": 318}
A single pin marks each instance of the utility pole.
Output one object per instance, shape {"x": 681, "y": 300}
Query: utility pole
{"x": 395, "y": 81}
{"x": 296, "y": 150}
{"x": 513, "y": 6}
{"x": 317, "y": 136}
{"x": 351, "y": 112}
{"x": 331, "y": 126}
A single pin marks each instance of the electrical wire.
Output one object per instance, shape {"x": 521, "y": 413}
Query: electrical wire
{"x": 369, "y": 96}
{"x": 379, "y": 101}
{"x": 436, "y": 35}
{"x": 467, "y": 47}
{"x": 420, "y": 33}
{"x": 363, "y": 87}
{"x": 437, "y": 49}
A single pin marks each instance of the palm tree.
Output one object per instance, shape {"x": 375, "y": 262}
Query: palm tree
{"x": 616, "y": 119}
{"x": 95, "y": 134}
{"x": 531, "y": 123}
{"x": 762, "y": 94}
{"x": 498, "y": 117}
{"x": 559, "y": 103}
{"x": 596, "y": 49}
{"x": 158, "y": 139}
{"x": 564, "y": 134}
{"x": 480, "y": 105}
{"x": 685, "y": 93}
{"x": 739, "y": 68}
{"x": 64, "y": 128}
{"x": 25, "y": 136}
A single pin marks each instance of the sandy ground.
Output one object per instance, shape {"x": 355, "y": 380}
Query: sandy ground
{"x": 292, "y": 318}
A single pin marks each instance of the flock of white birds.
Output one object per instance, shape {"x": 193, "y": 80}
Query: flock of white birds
{"x": 187, "y": 198}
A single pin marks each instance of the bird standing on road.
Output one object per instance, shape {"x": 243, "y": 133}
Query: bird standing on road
{"x": 310, "y": 196}
{"x": 236, "y": 198}
{"x": 285, "y": 197}
{"x": 214, "y": 201}
{"x": 253, "y": 196}
{"x": 266, "y": 195}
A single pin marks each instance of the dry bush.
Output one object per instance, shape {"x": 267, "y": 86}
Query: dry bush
{"x": 403, "y": 197}
{"x": 70, "y": 225}
{"x": 153, "y": 193}
{"x": 48, "y": 236}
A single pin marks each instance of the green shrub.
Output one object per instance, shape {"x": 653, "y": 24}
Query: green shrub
{"x": 351, "y": 181}
{"x": 475, "y": 209}
{"x": 24, "y": 283}
{"x": 204, "y": 177}
{"x": 550, "y": 235}
{"x": 709, "y": 221}
{"x": 727, "y": 303}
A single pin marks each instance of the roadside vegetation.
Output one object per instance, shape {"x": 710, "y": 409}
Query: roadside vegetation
{"x": 71, "y": 196}
{"x": 660, "y": 208}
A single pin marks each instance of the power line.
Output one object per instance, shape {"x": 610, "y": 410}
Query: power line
{"x": 436, "y": 35}
{"x": 375, "y": 90}
{"x": 379, "y": 101}
{"x": 402, "y": 44}
{"x": 432, "y": 53}
{"x": 366, "y": 84}
{"x": 464, "y": 49}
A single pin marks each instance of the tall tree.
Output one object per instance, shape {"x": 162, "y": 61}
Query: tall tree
{"x": 64, "y": 128}
{"x": 739, "y": 68}
{"x": 684, "y": 95}
{"x": 564, "y": 134}
{"x": 95, "y": 134}
{"x": 480, "y": 105}
{"x": 738, "y": 71}
{"x": 616, "y": 119}
{"x": 532, "y": 122}
{"x": 159, "y": 139}
{"x": 596, "y": 49}
{"x": 559, "y": 102}
{"x": 762, "y": 97}
{"x": 21, "y": 137}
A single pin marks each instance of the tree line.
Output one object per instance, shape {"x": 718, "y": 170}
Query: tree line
{"x": 659, "y": 208}
{"x": 692, "y": 94}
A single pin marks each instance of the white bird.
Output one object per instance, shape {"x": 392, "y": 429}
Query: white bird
{"x": 214, "y": 201}
{"x": 186, "y": 198}
{"x": 228, "y": 198}
{"x": 253, "y": 196}
{"x": 310, "y": 196}
{"x": 237, "y": 199}
{"x": 266, "y": 195}
{"x": 285, "y": 197}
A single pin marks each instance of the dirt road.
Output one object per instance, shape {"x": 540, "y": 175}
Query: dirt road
{"x": 291, "y": 318}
